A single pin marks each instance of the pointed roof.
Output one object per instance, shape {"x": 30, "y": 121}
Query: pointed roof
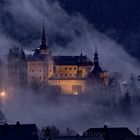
{"x": 72, "y": 60}
{"x": 115, "y": 133}
{"x": 96, "y": 68}
{"x": 43, "y": 40}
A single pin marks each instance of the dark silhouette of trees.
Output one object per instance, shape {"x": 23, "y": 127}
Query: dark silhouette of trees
{"x": 50, "y": 131}
{"x": 126, "y": 104}
{"x": 2, "y": 118}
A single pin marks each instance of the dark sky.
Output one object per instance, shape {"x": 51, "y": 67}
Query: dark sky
{"x": 120, "y": 19}
{"x": 117, "y": 14}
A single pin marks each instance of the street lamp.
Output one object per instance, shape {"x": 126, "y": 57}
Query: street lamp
{"x": 2, "y": 94}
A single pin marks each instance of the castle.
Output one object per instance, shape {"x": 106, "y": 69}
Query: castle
{"x": 70, "y": 74}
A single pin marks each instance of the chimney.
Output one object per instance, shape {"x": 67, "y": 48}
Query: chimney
{"x": 105, "y": 130}
{"x": 18, "y": 125}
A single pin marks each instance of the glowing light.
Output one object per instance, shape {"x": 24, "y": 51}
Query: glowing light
{"x": 76, "y": 93}
{"x": 2, "y": 93}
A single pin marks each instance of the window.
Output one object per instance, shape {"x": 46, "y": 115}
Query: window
{"x": 66, "y": 68}
{"x": 54, "y": 69}
{"x": 40, "y": 77}
{"x": 70, "y": 68}
{"x": 32, "y": 70}
{"x": 40, "y": 70}
{"x": 74, "y": 68}
{"x": 65, "y": 74}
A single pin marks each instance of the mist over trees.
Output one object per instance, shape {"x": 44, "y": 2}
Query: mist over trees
{"x": 2, "y": 118}
{"x": 93, "y": 108}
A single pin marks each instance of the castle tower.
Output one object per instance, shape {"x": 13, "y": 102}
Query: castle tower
{"x": 17, "y": 67}
{"x": 97, "y": 75}
{"x": 44, "y": 46}
{"x": 40, "y": 64}
{"x": 96, "y": 67}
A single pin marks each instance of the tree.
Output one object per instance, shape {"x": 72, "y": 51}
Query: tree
{"x": 70, "y": 132}
{"x": 126, "y": 104}
{"x": 50, "y": 131}
{"x": 2, "y": 118}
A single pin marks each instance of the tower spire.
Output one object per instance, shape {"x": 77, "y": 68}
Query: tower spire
{"x": 43, "y": 35}
{"x": 43, "y": 40}
{"x": 81, "y": 56}
{"x": 96, "y": 59}
{"x": 81, "y": 53}
{"x": 96, "y": 68}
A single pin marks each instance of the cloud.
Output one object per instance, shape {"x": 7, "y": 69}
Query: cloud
{"x": 75, "y": 34}
{"x": 72, "y": 29}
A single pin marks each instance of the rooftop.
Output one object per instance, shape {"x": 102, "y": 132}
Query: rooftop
{"x": 72, "y": 60}
{"x": 117, "y": 133}
{"x": 18, "y": 132}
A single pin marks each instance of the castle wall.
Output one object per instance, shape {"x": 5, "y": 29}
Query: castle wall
{"x": 83, "y": 71}
{"x": 71, "y": 70}
{"x": 37, "y": 72}
{"x": 65, "y": 70}
{"x": 69, "y": 86}
{"x": 17, "y": 68}
{"x": 50, "y": 66}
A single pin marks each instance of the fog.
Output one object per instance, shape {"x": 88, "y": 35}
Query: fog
{"x": 91, "y": 109}
{"x": 66, "y": 35}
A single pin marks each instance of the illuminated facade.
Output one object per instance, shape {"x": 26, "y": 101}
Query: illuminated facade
{"x": 69, "y": 73}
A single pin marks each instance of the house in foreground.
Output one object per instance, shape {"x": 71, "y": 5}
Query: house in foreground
{"x": 18, "y": 132}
